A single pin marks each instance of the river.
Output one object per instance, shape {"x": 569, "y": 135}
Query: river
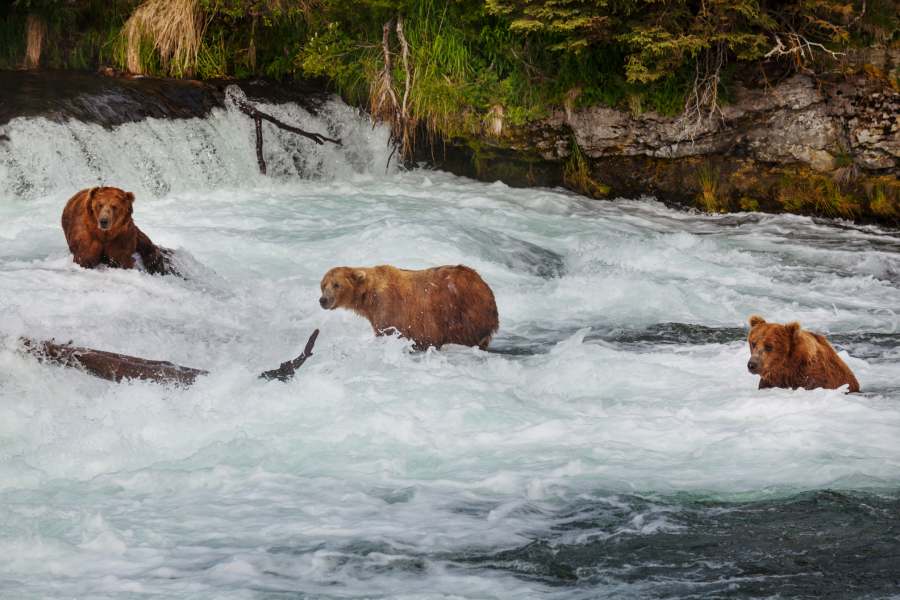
{"x": 611, "y": 443}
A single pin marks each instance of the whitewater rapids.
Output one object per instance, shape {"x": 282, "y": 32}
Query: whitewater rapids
{"x": 615, "y": 406}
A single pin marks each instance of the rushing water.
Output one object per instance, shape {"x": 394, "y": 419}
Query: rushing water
{"x": 612, "y": 443}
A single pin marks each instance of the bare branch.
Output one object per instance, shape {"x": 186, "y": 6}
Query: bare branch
{"x": 798, "y": 47}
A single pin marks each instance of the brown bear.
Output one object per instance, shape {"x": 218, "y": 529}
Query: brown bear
{"x": 786, "y": 356}
{"x": 431, "y": 307}
{"x": 99, "y": 230}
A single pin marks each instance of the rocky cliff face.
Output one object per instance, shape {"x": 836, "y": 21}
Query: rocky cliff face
{"x": 826, "y": 147}
{"x": 796, "y": 121}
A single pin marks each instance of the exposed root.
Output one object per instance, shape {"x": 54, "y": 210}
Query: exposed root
{"x": 383, "y": 104}
{"x": 407, "y": 124}
{"x": 702, "y": 102}
{"x": 494, "y": 120}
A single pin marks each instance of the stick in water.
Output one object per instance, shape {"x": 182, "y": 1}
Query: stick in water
{"x": 258, "y": 116}
{"x": 287, "y": 369}
{"x": 259, "y": 145}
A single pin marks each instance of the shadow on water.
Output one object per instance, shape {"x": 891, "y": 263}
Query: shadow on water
{"x": 871, "y": 346}
{"x": 629, "y": 339}
{"x": 816, "y": 545}
{"x": 821, "y": 544}
{"x": 516, "y": 254}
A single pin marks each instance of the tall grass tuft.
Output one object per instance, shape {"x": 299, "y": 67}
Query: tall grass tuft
{"x": 35, "y": 32}
{"x": 577, "y": 175}
{"x": 812, "y": 193}
{"x": 884, "y": 198}
{"x": 175, "y": 30}
{"x": 708, "y": 198}
{"x": 442, "y": 71}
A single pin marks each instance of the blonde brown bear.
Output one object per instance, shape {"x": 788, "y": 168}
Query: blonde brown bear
{"x": 432, "y": 307}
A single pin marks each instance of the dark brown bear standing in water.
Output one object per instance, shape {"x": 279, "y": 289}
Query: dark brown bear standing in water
{"x": 785, "y": 356}
{"x": 99, "y": 230}
{"x": 432, "y": 307}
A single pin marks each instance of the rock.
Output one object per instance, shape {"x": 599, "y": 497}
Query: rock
{"x": 111, "y": 101}
{"x": 787, "y": 141}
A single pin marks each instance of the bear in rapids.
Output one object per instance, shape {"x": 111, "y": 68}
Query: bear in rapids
{"x": 431, "y": 307}
{"x": 99, "y": 230}
{"x": 786, "y": 356}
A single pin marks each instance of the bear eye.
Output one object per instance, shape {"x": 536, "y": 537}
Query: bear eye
{"x": 768, "y": 347}
{"x": 336, "y": 285}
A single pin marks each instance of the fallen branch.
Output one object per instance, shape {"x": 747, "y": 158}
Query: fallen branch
{"x": 258, "y": 117}
{"x": 116, "y": 367}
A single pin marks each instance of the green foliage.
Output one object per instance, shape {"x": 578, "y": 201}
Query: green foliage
{"x": 333, "y": 54}
{"x": 212, "y": 60}
{"x": 12, "y": 41}
{"x": 475, "y": 61}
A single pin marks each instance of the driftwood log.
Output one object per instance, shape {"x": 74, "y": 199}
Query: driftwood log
{"x": 258, "y": 117}
{"x": 116, "y": 367}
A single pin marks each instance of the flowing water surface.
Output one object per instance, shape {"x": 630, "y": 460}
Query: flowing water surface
{"x": 611, "y": 443}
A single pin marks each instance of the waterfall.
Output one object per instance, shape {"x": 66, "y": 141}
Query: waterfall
{"x": 41, "y": 156}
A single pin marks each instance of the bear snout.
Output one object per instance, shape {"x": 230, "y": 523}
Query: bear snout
{"x": 104, "y": 223}
{"x": 753, "y": 365}
{"x": 324, "y": 303}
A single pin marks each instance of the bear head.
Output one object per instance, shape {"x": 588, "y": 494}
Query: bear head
{"x": 110, "y": 208}
{"x": 770, "y": 346}
{"x": 342, "y": 288}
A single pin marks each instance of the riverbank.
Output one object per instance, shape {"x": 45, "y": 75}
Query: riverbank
{"x": 804, "y": 146}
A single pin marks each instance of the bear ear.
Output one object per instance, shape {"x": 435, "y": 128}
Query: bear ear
{"x": 358, "y": 275}
{"x": 129, "y": 196}
{"x": 793, "y": 328}
{"x": 756, "y": 320}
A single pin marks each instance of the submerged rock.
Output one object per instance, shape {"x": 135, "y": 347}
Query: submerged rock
{"x": 112, "y": 101}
